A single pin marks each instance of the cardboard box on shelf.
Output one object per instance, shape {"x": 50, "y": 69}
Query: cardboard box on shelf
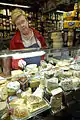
{"x": 71, "y": 24}
{"x": 69, "y": 15}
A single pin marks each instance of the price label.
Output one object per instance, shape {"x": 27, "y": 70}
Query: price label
{"x": 56, "y": 53}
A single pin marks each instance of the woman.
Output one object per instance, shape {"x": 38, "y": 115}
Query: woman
{"x": 26, "y": 37}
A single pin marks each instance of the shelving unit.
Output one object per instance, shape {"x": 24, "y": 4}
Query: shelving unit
{"x": 71, "y": 26}
{"x": 6, "y": 28}
{"x": 51, "y": 23}
{"x": 44, "y": 23}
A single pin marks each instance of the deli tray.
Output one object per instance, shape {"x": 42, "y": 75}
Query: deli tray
{"x": 33, "y": 114}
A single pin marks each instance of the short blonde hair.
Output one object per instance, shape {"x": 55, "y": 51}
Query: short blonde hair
{"x": 16, "y": 13}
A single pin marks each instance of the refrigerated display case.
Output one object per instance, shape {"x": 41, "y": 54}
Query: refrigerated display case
{"x": 57, "y": 70}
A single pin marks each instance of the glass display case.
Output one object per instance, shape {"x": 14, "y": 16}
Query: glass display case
{"x": 58, "y": 73}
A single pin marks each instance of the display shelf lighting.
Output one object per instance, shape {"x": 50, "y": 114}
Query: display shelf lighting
{"x": 19, "y": 55}
{"x": 14, "y": 5}
{"x": 59, "y": 11}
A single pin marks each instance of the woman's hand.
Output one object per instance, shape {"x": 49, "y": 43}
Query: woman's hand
{"x": 22, "y": 64}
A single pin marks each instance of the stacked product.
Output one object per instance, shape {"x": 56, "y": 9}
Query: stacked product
{"x": 71, "y": 23}
{"x": 57, "y": 39}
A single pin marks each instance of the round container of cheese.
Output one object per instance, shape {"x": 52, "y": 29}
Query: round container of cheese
{"x": 57, "y": 44}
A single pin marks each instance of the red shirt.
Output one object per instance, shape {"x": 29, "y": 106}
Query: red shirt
{"x": 16, "y": 43}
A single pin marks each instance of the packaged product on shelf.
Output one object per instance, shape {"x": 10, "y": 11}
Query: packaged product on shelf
{"x": 79, "y": 15}
{"x": 77, "y": 23}
{"x": 56, "y": 34}
{"x": 57, "y": 39}
{"x": 69, "y": 15}
{"x": 57, "y": 45}
{"x": 70, "y": 24}
{"x": 70, "y": 37}
{"x": 65, "y": 38}
{"x": 76, "y": 6}
{"x": 79, "y": 6}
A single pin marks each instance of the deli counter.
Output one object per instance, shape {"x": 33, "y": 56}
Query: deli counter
{"x": 49, "y": 91}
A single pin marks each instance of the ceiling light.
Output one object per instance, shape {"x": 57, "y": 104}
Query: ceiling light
{"x": 14, "y": 5}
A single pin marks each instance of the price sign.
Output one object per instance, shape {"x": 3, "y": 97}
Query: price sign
{"x": 56, "y": 53}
